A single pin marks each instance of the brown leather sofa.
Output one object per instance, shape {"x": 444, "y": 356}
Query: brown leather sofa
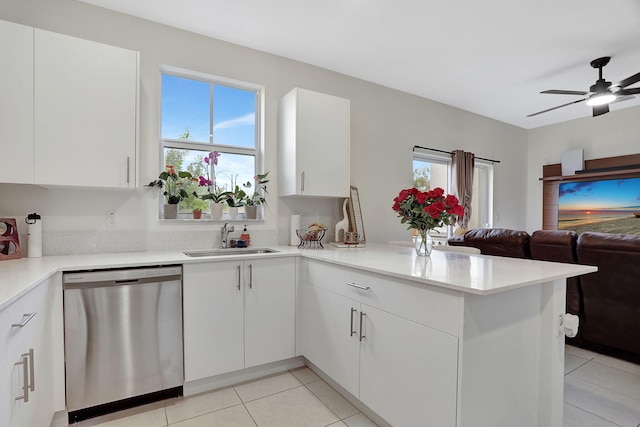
{"x": 607, "y": 302}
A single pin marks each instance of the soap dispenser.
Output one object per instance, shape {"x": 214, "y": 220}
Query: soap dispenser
{"x": 246, "y": 236}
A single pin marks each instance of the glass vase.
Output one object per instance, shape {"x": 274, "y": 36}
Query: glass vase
{"x": 423, "y": 243}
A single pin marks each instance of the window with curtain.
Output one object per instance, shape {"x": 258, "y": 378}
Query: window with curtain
{"x": 431, "y": 171}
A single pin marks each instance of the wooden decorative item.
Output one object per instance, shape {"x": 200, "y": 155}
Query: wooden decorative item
{"x": 9, "y": 242}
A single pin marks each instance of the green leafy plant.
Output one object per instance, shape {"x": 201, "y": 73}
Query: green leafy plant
{"x": 236, "y": 198}
{"x": 256, "y": 198}
{"x": 175, "y": 184}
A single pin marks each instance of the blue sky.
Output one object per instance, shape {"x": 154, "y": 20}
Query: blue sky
{"x": 186, "y": 104}
{"x": 610, "y": 193}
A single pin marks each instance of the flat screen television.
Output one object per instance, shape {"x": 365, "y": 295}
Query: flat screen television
{"x": 606, "y": 205}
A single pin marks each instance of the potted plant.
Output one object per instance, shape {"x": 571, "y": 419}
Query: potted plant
{"x": 215, "y": 194}
{"x": 174, "y": 185}
{"x": 252, "y": 201}
{"x": 235, "y": 199}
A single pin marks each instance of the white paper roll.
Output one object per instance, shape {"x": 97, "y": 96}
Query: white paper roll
{"x": 295, "y": 224}
{"x": 34, "y": 239}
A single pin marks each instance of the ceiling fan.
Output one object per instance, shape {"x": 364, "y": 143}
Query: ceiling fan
{"x": 601, "y": 94}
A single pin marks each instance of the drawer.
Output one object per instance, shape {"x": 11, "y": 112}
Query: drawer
{"x": 13, "y": 339}
{"x": 431, "y": 306}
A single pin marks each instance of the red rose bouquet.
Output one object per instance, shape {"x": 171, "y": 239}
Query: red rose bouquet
{"x": 426, "y": 210}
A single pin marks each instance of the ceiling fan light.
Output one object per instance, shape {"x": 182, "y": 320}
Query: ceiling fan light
{"x": 601, "y": 99}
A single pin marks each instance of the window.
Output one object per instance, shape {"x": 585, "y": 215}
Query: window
{"x": 430, "y": 172}
{"x": 434, "y": 171}
{"x": 201, "y": 114}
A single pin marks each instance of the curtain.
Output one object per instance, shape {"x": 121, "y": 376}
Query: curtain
{"x": 462, "y": 173}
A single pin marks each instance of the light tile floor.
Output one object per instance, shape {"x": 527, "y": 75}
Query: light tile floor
{"x": 600, "y": 391}
{"x": 297, "y": 398}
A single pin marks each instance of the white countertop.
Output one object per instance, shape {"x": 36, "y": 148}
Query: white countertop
{"x": 477, "y": 274}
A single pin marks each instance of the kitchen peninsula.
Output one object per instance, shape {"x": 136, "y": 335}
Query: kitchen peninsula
{"x": 449, "y": 340}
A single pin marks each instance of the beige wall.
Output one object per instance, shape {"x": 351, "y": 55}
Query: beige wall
{"x": 613, "y": 134}
{"x": 385, "y": 125}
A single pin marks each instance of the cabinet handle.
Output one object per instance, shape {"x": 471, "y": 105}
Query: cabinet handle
{"x": 362, "y": 315}
{"x": 32, "y": 385}
{"x": 302, "y": 182}
{"x": 25, "y": 319}
{"x": 355, "y": 285}
{"x": 351, "y": 330}
{"x": 250, "y": 276}
{"x": 128, "y": 168}
{"x": 25, "y": 379}
{"x": 238, "y": 278}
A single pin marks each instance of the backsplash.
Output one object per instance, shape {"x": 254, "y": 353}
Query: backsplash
{"x": 108, "y": 241}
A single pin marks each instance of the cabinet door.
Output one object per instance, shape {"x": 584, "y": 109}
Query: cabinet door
{"x": 331, "y": 335}
{"x": 85, "y": 112}
{"x": 269, "y": 310}
{"x": 323, "y": 144}
{"x": 35, "y": 335}
{"x": 213, "y": 319}
{"x": 408, "y": 372}
{"x": 314, "y": 144}
{"x": 16, "y": 103}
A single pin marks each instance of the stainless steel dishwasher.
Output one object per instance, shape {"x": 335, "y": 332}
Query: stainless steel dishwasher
{"x": 123, "y": 338}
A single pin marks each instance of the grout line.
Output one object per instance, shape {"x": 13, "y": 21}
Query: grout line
{"x": 614, "y": 390}
{"x": 595, "y": 415}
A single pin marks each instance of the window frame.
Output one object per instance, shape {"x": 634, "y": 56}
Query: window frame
{"x": 168, "y": 143}
{"x": 486, "y": 205}
{"x": 441, "y": 160}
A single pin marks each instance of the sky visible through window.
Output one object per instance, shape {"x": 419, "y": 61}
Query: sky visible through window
{"x": 195, "y": 108}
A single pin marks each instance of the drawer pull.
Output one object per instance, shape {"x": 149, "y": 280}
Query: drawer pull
{"x": 355, "y": 285}
{"x": 25, "y": 319}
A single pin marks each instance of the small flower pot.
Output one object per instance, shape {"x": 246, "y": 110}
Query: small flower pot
{"x": 170, "y": 211}
{"x": 216, "y": 211}
{"x": 197, "y": 214}
{"x": 251, "y": 211}
{"x": 233, "y": 212}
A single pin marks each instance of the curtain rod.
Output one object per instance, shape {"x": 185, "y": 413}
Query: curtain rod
{"x": 449, "y": 152}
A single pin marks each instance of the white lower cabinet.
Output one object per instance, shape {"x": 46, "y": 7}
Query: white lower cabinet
{"x": 27, "y": 391}
{"x": 237, "y": 314}
{"x": 403, "y": 370}
{"x": 408, "y": 372}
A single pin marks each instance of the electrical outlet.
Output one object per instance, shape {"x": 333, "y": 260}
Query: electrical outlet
{"x": 111, "y": 220}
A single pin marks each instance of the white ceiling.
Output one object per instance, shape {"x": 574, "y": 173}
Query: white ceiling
{"x": 490, "y": 57}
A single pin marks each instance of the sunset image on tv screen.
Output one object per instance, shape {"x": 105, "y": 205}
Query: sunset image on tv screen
{"x": 608, "y": 206}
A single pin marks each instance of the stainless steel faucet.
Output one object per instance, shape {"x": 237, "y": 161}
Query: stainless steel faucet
{"x": 226, "y": 229}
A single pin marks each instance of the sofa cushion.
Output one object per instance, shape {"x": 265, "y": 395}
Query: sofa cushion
{"x": 612, "y": 294}
{"x": 499, "y": 241}
{"x": 554, "y": 245}
{"x": 559, "y": 246}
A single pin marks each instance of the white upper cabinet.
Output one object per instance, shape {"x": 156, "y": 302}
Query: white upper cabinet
{"x": 86, "y": 98}
{"x": 314, "y": 135}
{"x": 16, "y": 103}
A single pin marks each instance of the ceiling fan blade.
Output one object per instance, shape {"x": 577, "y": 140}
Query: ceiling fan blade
{"x": 599, "y": 110}
{"x": 623, "y": 98}
{"x": 632, "y": 91}
{"x": 628, "y": 81}
{"x": 555, "y": 108}
{"x": 565, "y": 92}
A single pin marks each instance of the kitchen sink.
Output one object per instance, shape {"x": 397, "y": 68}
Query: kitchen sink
{"x": 229, "y": 251}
